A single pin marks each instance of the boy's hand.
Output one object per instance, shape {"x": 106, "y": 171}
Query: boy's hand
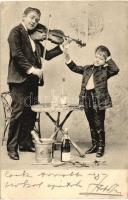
{"x": 108, "y": 58}
{"x": 66, "y": 55}
{"x": 66, "y": 43}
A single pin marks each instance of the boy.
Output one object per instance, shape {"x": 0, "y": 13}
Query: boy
{"x": 94, "y": 94}
{"x": 24, "y": 73}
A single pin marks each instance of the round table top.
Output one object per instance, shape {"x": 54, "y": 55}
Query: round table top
{"x": 48, "y": 107}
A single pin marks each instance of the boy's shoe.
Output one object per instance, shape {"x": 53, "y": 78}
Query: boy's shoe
{"x": 92, "y": 149}
{"x": 100, "y": 152}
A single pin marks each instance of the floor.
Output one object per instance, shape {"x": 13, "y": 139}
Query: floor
{"x": 114, "y": 158}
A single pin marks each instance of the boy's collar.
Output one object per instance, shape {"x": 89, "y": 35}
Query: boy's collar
{"x": 101, "y": 66}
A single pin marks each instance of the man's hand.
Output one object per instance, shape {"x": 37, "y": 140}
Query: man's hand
{"x": 38, "y": 72}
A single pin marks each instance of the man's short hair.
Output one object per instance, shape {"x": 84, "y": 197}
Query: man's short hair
{"x": 104, "y": 50}
{"x": 39, "y": 28}
{"x": 30, "y": 9}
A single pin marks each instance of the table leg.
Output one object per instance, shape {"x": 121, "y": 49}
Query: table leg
{"x": 58, "y": 127}
{"x": 75, "y": 145}
{"x": 53, "y": 120}
{"x": 67, "y": 116}
{"x": 77, "y": 148}
{"x": 56, "y": 123}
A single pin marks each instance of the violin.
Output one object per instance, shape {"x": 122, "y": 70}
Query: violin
{"x": 56, "y": 36}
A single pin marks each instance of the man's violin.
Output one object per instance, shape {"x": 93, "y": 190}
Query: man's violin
{"x": 55, "y": 36}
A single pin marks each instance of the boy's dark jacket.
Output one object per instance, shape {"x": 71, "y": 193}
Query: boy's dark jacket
{"x": 22, "y": 57}
{"x": 100, "y": 76}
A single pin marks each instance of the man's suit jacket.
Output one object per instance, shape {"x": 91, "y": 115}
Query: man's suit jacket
{"x": 100, "y": 76}
{"x": 22, "y": 57}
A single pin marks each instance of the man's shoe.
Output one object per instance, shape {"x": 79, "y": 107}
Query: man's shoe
{"x": 13, "y": 155}
{"x": 26, "y": 149}
{"x": 93, "y": 149}
{"x": 100, "y": 152}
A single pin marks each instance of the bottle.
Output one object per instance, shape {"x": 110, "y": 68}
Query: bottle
{"x": 65, "y": 148}
{"x": 35, "y": 136}
{"x": 63, "y": 99}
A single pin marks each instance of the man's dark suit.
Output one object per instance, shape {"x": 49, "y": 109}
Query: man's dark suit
{"x": 23, "y": 87}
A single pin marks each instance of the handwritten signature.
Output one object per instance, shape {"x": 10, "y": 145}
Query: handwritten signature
{"x": 101, "y": 185}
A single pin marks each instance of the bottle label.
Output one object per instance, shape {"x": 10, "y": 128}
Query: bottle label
{"x": 66, "y": 156}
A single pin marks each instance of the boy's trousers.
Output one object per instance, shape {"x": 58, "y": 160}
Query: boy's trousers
{"x": 95, "y": 118}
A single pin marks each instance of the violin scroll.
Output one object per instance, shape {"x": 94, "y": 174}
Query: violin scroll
{"x": 79, "y": 42}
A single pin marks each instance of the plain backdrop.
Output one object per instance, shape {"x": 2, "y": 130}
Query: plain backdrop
{"x": 96, "y": 23}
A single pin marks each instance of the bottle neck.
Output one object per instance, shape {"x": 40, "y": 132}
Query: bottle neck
{"x": 66, "y": 136}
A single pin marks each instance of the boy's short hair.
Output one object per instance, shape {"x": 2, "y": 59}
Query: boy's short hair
{"x": 103, "y": 50}
{"x": 30, "y": 9}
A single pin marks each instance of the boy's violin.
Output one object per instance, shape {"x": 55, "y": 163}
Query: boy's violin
{"x": 55, "y": 36}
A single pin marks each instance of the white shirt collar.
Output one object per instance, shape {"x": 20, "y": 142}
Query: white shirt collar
{"x": 31, "y": 41}
{"x": 24, "y": 26}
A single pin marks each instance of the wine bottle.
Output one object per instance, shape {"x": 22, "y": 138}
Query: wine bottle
{"x": 65, "y": 148}
{"x": 35, "y": 136}
{"x": 63, "y": 99}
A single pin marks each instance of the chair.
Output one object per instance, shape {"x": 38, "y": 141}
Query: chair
{"x": 6, "y": 102}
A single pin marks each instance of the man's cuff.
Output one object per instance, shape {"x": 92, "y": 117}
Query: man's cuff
{"x": 30, "y": 71}
{"x": 68, "y": 62}
{"x": 61, "y": 47}
{"x": 108, "y": 58}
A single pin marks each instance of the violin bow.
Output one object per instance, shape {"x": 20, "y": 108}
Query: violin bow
{"x": 45, "y": 42}
{"x": 47, "y": 34}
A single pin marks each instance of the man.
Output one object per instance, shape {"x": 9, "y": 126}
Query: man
{"x": 24, "y": 75}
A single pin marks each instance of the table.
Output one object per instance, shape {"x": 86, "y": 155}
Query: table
{"x": 48, "y": 108}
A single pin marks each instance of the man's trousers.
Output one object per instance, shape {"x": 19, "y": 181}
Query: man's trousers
{"x": 22, "y": 117}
